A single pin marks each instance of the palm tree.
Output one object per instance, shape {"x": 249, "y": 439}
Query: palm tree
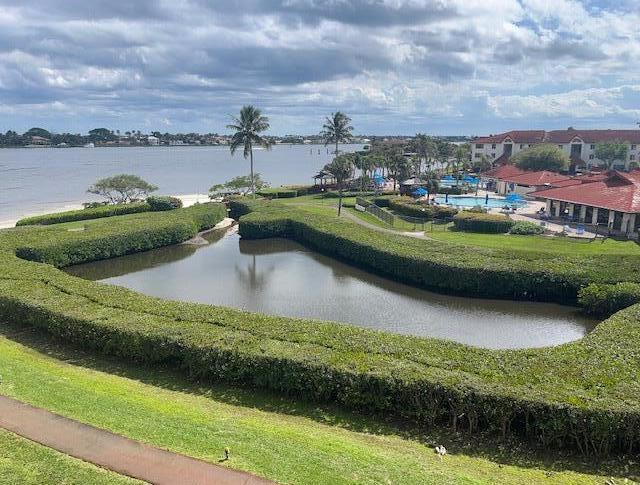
{"x": 337, "y": 129}
{"x": 247, "y": 134}
{"x": 342, "y": 169}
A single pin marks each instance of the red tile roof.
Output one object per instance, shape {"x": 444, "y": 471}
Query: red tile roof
{"x": 593, "y": 136}
{"x": 542, "y": 177}
{"x": 562, "y": 136}
{"x": 619, "y": 192}
{"x": 516, "y": 136}
{"x": 504, "y": 171}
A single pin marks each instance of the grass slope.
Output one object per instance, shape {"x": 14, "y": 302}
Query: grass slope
{"x": 289, "y": 442}
{"x": 27, "y": 463}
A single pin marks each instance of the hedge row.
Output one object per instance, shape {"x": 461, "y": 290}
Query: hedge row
{"x": 526, "y": 228}
{"x": 86, "y": 214}
{"x": 603, "y": 300}
{"x": 334, "y": 194}
{"x": 163, "y": 203}
{"x": 139, "y": 233}
{"x": 455, "y": 190}
{"x": 440, "y": 266}
{"x": 278, "y": 193}
{"x": 482, "y": 222}
{"x": 406, "y": 206}
{"x": 582, "y": 395}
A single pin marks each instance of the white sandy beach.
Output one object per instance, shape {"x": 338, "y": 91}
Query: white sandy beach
{"x": 187, "y": 200}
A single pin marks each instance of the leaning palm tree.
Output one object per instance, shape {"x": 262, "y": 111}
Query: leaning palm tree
{"x": 247, "y": 134}
{"x": 336, "y": 129}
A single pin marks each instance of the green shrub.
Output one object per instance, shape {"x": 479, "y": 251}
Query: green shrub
{"x": 138, "y": 234}
{"x": 443, "y": 212}
{"x": 278, "y": 193}
{"x": 581, "y": 395}
{"x": 302, "y": 189}
{"x": 333, "y": 194}
{"x": 455, "y": 190}
{"x": 85, "y": 214}
{"x": 163, "y": 203}
{"x": 604, "y": 300}
{"x": 525, "y": 228}
{"x": 482, "y": 222}
{"x": 408, "y": 207}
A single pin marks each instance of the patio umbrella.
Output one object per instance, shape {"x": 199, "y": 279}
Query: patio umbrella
{"x": 420, "y": 192}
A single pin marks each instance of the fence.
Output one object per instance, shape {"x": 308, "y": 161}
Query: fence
{"x": 398, "y": 221}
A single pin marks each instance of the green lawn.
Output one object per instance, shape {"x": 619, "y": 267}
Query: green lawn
{"x": 557, "y": 245}
{"x": 286, "y": 441}
{"x": 27, "y": 463}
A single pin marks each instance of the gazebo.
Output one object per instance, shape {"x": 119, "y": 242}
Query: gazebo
{"x": 324, "y": 179}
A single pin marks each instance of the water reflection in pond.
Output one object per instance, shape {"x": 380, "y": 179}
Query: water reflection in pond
{"x": 281, "y": 277}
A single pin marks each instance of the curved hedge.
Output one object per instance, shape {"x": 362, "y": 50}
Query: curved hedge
{"x": 85, "y": 214}
{"x": 584, "y": 395}
{"x": 406, "y": 206}
{"x": 482, "y": 222}
{"x": 604, "y": 300}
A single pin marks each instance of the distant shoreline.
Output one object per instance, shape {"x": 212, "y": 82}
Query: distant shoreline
{"x": 187, "y": 201}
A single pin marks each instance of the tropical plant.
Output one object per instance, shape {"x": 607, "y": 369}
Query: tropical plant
{"x": 121, "y": 189}
{"x": 341, "y": 168}
{"x": 247, "y": 134}
{"x": 611, "y": 152}
{"x": 243, "y": 184}
{"x": 397, "y": 165}
{"x": 424, "y": 146}
{"x": 337, "y": 129}
{"x": 542, "y": 157}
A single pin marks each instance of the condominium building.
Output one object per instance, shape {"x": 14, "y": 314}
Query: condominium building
{"x": 579, "y": 145}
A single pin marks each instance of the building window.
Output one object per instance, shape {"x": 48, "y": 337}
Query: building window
{"x": 560, "y": 146}
{"x": 493, "y": 146}
{"x": 479, "y": 145}
{"x": 632, "y": 157}
{"x": 633, "y": 147}
{"x": 593, "y": 147}
{"x": 521, "y": 146}
{"x": 478, "y": 155}
{"x": 530, "y": 145}
{"x": 591, "y": 157}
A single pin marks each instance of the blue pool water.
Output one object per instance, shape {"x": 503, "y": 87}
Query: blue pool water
{"x": 472, "y": 201}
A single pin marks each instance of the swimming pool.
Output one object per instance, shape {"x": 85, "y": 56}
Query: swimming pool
{"x": 472, "y": 201}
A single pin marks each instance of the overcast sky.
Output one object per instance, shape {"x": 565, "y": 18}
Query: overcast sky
{"x": 436, "y": 66}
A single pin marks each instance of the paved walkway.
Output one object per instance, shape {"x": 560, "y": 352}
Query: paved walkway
{"x": 114, "y": 452}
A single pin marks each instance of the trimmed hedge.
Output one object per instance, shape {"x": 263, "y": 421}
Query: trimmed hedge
{"x": 406, "y": 206}
{"x": 163, "y": 203}
{"x": 526, "y": 228}
{"x": 482, "y": 222}
{"x": 455, "y": 190}
{"x": 334, "y": 194}
{"x": 604, "y": 300}
{"x": 582, "y": 395}
{"x": 85, "y": 214}
{"x": 278, "y": 193}
{"x": 94, "y": 242}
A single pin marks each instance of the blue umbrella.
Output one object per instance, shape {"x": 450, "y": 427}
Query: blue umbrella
{"x": 420, "y": 192}
{"x": 378, "y": 179}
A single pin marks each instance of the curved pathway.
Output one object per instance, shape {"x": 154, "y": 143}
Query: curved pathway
{"x": 114, "y": 452}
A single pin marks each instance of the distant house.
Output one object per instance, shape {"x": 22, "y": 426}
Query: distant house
{"x": 39, "y": 140}
{"x": 153, "y": 140}
{"x": 611, "y": 199}
{"x": 579, "y": 145}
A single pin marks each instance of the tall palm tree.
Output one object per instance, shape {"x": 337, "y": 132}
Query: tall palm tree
{"x": 247, "y": 134}
{"x": 337, "y": 129}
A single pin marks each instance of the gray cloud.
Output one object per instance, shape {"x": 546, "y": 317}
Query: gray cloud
{"x": 196, "y": 61}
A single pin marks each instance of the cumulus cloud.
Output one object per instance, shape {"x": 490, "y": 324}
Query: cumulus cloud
{"x": 395, "y": 65}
